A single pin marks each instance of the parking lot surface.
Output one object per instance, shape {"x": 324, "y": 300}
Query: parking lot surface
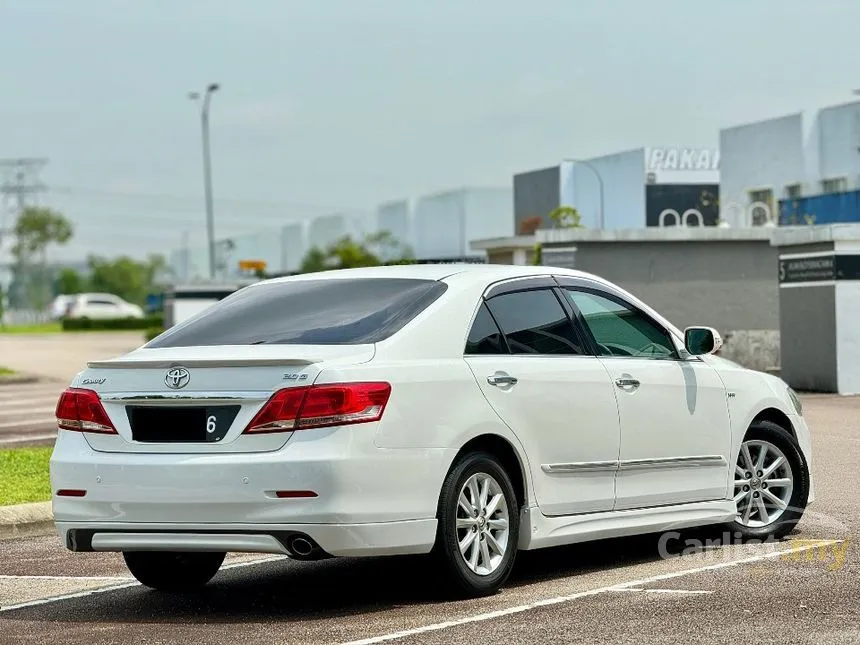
{"x": 27, "y": 409}
{"x": 802, "y": 590}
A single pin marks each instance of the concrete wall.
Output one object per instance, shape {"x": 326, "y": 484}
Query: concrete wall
{"x": 808, "y": 338}
{"x": 722, "y": 278}
{"x": 727, "y": 285}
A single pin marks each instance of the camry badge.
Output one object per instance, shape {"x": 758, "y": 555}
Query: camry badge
{"x": 177, "y": 378}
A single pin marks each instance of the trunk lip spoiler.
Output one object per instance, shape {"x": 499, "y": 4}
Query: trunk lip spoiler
{"x": 164, "y": 363}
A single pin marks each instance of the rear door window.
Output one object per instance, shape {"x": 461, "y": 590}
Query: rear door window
{"x": 534, "y": 322}
{"x": 485, "y": 336}
{"x": 308, "y": 312}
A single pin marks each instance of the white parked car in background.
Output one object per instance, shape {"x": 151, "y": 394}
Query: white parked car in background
{"x": 100, "y": 306}
{"x": 464, "y": 411}
{"x": 60, "y": 306}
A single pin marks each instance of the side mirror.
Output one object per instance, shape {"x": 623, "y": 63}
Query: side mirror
{"x": 702, "y": 340}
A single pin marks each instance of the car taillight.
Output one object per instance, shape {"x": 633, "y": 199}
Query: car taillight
{"x": 318, "y": 406}
{"x": 82, "y": 410}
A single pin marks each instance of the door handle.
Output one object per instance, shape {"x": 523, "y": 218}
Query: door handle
{"x": 627, "y": 381}
{"x": 501, "y": 379}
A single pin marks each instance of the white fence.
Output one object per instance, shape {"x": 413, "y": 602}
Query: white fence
{"x": 25, "y": 317}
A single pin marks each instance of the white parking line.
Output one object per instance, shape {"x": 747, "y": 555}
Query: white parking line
{"x": 113, "y": 578}
{"x": 583, "y": 594}
{"x": 125, "y": 585}
{"x": 26, "y": 403}
{"x": 26, "y": 438}
{"x": 678, "y": 591}
{"x": 27, "y": 422}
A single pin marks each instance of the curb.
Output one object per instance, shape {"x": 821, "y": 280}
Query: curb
{"x": 26, "y": 520}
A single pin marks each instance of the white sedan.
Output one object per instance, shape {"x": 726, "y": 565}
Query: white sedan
{"x": 464, "y": 411}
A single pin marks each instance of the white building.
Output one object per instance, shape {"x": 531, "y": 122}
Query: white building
{"x": 436, "y": 227}
{"x": 328, "y": 229}
{"x": 615, "y": 191}
{"x": 398, "y": 218}
{"x": 445, "y": 223}
{"x": 803, "y": 154}
{"x": 294, "y": 245}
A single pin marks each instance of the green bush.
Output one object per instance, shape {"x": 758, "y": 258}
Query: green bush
{"x": 112, "y": 324}
{"x": 152, "y": 332}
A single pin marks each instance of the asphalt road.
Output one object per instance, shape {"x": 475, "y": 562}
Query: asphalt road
{"x": 804, "y": 590}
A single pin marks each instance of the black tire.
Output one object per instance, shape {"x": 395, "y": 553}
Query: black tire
{"x": 173, "y": 571}
{"x": 464, "y": 581}
{"x": 784, "y": 524}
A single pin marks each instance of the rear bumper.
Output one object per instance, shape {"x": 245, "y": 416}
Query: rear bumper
{"x": 369, "y": 500}
{"x": 351, "y": 540}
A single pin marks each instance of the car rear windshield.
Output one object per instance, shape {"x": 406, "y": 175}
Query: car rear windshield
{"x": 308, "y": 312}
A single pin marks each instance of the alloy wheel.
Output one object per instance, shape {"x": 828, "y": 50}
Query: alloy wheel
{"x": 763, "y": 483}
{"x": 482, "y": 524}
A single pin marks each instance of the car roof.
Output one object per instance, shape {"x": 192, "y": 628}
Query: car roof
{"x": 479, "y": 272}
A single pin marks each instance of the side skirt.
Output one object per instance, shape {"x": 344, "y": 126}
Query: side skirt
{"x": 538, "y": 531}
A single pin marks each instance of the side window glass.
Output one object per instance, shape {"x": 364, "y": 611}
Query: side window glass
{"x": 485, "y": 337}
{"x": 621, "y": 330}
{"x": 534, "y": 322}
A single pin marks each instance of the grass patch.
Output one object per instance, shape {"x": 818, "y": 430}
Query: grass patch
{"x": 5, "y": 371}
{"x": 41, "y": 328}
{"x": 24, "y": 475}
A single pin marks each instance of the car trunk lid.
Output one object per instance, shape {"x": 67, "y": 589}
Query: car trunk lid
{"x": 200, "y": 399}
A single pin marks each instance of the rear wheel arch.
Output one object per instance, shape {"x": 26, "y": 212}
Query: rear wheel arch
{"x": 508, "y": 456}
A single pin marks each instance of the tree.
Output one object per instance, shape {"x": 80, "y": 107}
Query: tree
{"x": 562, "y": 217}
{"x": 70, "y": 282}
{"x": 126, "y": 277}
{"x": 346, "y": 253}
{"x": 35, "y": 230}
{"x": 566, "y": 217}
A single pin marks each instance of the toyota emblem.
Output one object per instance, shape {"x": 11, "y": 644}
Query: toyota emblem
{"x": 177, "y": 378}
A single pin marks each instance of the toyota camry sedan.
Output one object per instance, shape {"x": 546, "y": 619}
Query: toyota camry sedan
{"x": 464, "y": 412}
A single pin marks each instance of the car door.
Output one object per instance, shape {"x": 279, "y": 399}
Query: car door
{"x": 675, "y": 431}
{"x": 99, "y": 308}
{"x": 534, "y": 369}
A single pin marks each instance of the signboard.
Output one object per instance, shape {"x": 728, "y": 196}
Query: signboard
{"x": 818, "y": 268}
{"x": 563, "y": 258}
{"x": 252, "y": 265}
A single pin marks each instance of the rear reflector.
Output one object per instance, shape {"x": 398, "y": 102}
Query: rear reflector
{"x": 71, "y": 492}
{"x": 294, "y": 494}
{"x": 319, "y": 406}
{"x": 82, "y": 411}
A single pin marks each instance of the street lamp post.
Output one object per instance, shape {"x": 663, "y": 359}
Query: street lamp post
{"x": 207, "y": 170}
{"x": 599, "y": 183}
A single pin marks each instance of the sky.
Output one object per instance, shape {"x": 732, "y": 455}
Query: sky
{"x": 338, "y": 105}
